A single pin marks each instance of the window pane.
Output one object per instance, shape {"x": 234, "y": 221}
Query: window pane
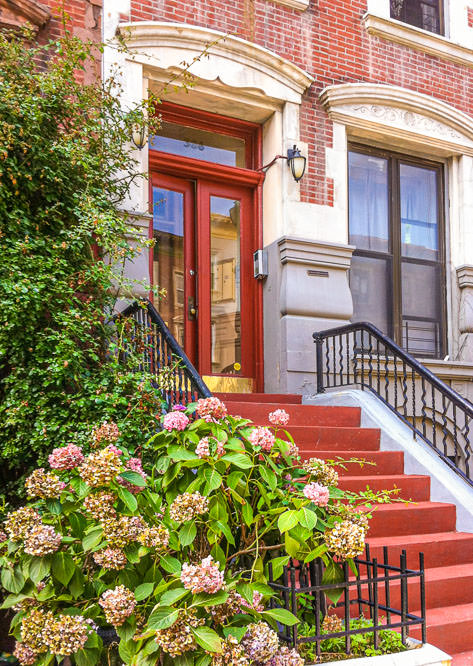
{"x": 419, "y": 212}
{"x": 421, "y": 307}
{"x": 368, "y": 202}
{"x": 199, "y": 144}
{"x": 369, "y": 285}
{"x": 225, "y": 281}
{"x": 423, "y": 14}
{"x": 168, "y": 257}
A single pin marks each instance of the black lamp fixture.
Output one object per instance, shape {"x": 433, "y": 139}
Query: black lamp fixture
{"x": 295, "y": 161}
{"x": 139, "y": 135}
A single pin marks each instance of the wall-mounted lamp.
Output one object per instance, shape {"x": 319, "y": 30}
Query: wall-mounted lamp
{"x": 295, "y": 161}
{"x": 139, "y": 135}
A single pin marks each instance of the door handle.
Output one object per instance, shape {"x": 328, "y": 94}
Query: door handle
{"x": 191, "y": 308}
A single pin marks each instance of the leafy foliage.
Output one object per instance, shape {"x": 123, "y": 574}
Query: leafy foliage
{"x": 65, "y": 171}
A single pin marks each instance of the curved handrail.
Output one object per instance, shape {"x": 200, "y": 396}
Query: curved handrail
{"x": 359, "y": 353}
{"x": 172, "y": 346}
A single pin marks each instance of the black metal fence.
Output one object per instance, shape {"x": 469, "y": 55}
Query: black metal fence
{"x": 359, "y": 354}
{"x": 379, "y": 591}
{"x": 160, "y": 355}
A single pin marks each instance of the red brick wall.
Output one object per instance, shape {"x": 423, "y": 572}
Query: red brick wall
{"x": 329, "y": 41}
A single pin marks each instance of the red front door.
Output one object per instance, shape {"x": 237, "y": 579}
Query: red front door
{"x": 205, "y": 237}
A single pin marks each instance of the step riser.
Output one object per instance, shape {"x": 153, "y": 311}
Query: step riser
{"x": 338, "y": 439}
{"x": 280, "y": 398}
{"x": 415, "y": 489}
{"x": 448, "y": 638}
{"x": 386, "y": 462}
{"x": 299, "y": 415}
{"x": 414, "y": 520}
{"x": 436, "y": 554}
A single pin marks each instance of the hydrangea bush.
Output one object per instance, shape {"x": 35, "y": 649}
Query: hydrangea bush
{"x": 172, "y": 550}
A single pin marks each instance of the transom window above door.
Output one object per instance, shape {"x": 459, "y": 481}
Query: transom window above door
{"x": 397, "y": 276}
{"x": 425, "y": 14}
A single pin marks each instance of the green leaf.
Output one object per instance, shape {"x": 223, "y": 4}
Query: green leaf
{"x": 223, "y": 527}
{"x": 63, "y": 567}
{"x": 292, "y": 546}
{"x": 143, "y": 591}
{"x": 213, "y": 480}
{"x": 240, "y": 460}
{"x": 236, "y": 632}
{"x": 77, "y": 584}
{"x": 205, "y": 659}
{"x": 317, "y": 552}
{"x": 13, "y": 600}
{"x": 247, "y": 514}
{"x": 54, "y": 506}
{"x": 268, "y": 476}
{"x": 333, "y": 575}
{"x": 288, "y": 520}
{"x": 234, "y": 479}
{"x": 170, "y": 564}
{"x": 180, "y": 453}
{"x": 39, "y": 568}
{"x": 127, "y": 498}
{"x": 162, "y": 617}
{"x": 171, "y": 596}
{"x": 187, "y": 533}
{"x": 216, "y": 599}
{"x": 134, "y": 478}
{"x": 12, "y": 579}
{"x": 307, "y": 518}
{"x": 92, "y": 538}
{"x": 246, "y": 591}
{"x": 87, "y": 657}
{"x": 218, "y": 555}
{"x": 281, "y": 615}
{"x": 208, "y": 639}
{"x": 127, "y": 650}
{"x": 278, "y": 564}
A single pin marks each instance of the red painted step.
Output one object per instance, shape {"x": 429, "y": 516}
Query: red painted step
{"x": 384, "y": 462}
{"x": 417, "y": 518}
{"x": 280, "y": 398}
{"x": 344, "y": 439}
{"x": 449, "y": 628}
{"x": 299, "y": 415}
{"x": 439, "y": 548}
{"x": 412, "y": 487}
{"x": 463, "y": 659}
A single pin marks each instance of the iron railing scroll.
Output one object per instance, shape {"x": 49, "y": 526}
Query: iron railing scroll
{"x": 381, "y": 591}
{"x": 361, "y": 355}
{"x": 161, "y": 355}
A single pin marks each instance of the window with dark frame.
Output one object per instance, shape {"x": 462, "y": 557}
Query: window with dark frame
{"x": 397, "y": 275}
{"x": 425, "y": 14}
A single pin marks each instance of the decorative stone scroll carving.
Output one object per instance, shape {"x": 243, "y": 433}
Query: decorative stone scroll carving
{"x": 401, "y": 113}
{"x": 465, "y": 282}
{"x": 16, "y": 13}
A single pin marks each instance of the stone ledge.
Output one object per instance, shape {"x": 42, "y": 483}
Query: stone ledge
{"x": 317, "y": 253}
{"x": 427, "y": 655}
{"x": 301, "y": 5}
{"x": 418, "y": 39}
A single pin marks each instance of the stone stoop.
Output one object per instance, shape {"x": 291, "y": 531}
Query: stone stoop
{"x": 420, "y": 526}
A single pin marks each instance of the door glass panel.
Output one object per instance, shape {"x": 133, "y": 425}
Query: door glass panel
{"x": 419, "y": 212}
{"x": 368, "y": 202}
{"x": 199, "y": 144}
{"x": 225, "y": 285}
{"x": 369, "y": 287}
{"x": 421, "y": 308}
{"x": 168, "y": 257}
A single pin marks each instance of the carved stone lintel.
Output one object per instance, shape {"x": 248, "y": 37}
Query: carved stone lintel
{"x": 16, "y": 13}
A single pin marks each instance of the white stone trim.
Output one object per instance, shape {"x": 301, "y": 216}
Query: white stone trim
{"x": 230, "y": 60}
{"x": 427, "y": 655}
{"x": 416, "y": 38}
{"x": 405, "y": 114}
{"x": 301, "y": 5}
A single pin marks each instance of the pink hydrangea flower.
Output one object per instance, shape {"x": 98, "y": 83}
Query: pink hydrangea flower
{"x": 66, "y": 457}
{"x": 178, "y": 408}
{"x": 203, "y": 577}
{"x": 175, "y": 421}
{"x": 211, "y": 408}
{"x": 263, "y": 437}
{"x": 279, "y": 417}
{"x": 115, "y": 449}
{"x": 317, "y": 493}
{"x": 134, "y": 464}
{"x": 203, "y": 449}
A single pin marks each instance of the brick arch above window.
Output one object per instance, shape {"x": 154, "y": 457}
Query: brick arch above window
{"x": 16, "y": 13}
{"x": 229, "y": 61}
{"x": 406, "y": 116}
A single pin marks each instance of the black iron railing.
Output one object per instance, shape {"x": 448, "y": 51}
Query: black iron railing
{"x": 380, "y": 591}
{"x": 359, "y": 354}
{"x": 160, "y": 355}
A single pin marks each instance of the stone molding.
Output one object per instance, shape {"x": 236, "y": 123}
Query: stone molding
{"x": 465, "y": 276}
{"x": 406, "y": 114}
{"x": 16, "y": 13}
{"x": 418, "y": 39}
{"x": 316, "y": 253}
{"x": 301, "y": 5}
{"x": 230, "y": 60}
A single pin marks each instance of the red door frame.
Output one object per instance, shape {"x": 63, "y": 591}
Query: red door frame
{"x": 190, "y": 168}
{"x": 186, "y": 187}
